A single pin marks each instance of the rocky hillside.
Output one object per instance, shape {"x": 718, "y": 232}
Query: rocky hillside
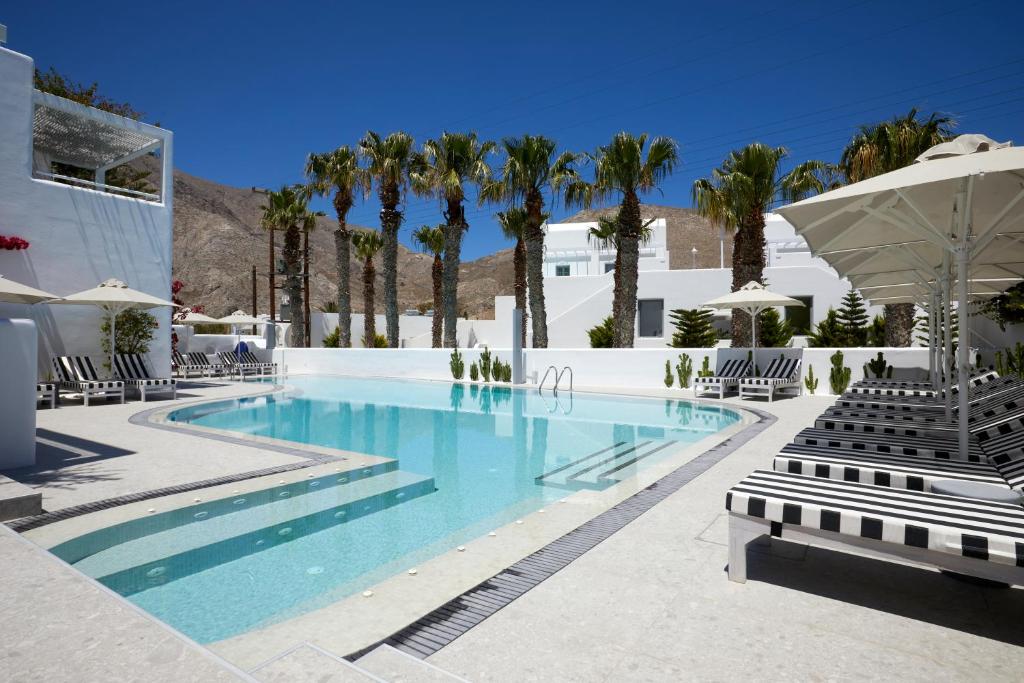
{"x": 218, "y": 238}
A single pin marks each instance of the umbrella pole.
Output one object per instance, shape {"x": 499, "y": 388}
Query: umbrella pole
{"x": 932, "y": 340}
{"x": 963, "y": 347}
{"x": 947, "y": 354}
{"x": 113, "y": 340}
{"x": 753, "y": 339}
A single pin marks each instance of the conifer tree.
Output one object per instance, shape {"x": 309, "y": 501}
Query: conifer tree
{"x": 853, "y": 318}
{"x": 772, "y": 330}
{"x": 829, "y": 332}
{"x": 693, "y": 328}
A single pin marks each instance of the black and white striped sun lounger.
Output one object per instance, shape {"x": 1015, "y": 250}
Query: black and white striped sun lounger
{"x": 781, "y": 374}
{"x": 964, "y": 535}
{"x": 201, "y": 360}
{"x": 930, "y": 446}
{"x": 47, "y": 392}
{"x": 724, "y": 380}
{"x": 131, "y": 367}
{"x": 77, "y": 375}
{"x": 184, "y": 368}
{"x": 250, "y": 357}
{"x": 236, "y": 366}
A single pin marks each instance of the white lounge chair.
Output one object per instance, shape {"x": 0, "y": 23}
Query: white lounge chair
{"x": 782, "y": 374}
{"x": 964, "y": 535}
{"x": 131, "y": 367}
{"x": 235, "y": 365}
{"x": 200, "y": 360}
{"x": 47, "y": 392}
{"x": 725, "y": 379}
{"x": 183, "y": 368}
{"x": 77, "y": 375}
{"x": 250, "y": 358}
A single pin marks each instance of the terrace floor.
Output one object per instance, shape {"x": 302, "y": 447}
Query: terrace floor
{"x": 652, "y": 602}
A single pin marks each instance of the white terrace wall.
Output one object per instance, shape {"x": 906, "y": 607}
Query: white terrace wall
{"x": 628, "y": 368}
{"x": 78, "y": 237}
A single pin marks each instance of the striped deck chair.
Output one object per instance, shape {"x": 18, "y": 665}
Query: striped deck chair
{"x": 77, "y": 375}
{"x": 964, "y": 535}
{"x": 184, "y": 369}
{"x": 235, "y": 366}
{"x": 945, "y": 447}
{"x": 47, "y": 392}
{"x": 131, "y": 367}
{"x": 250, "y": 357}
{"x": 725, "y": 379}
{"x": 200, "y": 360}
{"x": 781, "y": 374}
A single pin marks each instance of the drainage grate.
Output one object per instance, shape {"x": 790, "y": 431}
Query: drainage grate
{"x": 433, "y": 631}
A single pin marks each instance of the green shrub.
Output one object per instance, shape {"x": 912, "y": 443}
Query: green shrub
{"x": 474, "y": 371}
{"x": 601, "y": 335}
{"x": 693, "y": 328}
{"x": 839, "y": 376}
{"x": 333, "y": 340}
{"x": 828, "y": 333}
{"x": 134, "y": 332}
{"x": 810, "y": 381}
{"x": 684, "y": 369}
{"x": 772, "y": 330}
{"x": 457, "y": 365}
{"x": 669, "y": 379}
{"x": 379, "y": 342}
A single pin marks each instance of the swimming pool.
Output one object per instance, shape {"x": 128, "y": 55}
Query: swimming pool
{"x": 466, "y": 459}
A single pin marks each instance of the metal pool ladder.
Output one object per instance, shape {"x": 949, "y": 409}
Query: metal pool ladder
{"x": 558, "y": 378}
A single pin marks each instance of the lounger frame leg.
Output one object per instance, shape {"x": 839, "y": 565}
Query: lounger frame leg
{"x": 743, "y": 530}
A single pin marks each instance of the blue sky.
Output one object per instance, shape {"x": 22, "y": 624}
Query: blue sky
{"x": 249, "y": 89}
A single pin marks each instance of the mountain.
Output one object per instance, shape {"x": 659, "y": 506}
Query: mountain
{"x": 218, "y": 238}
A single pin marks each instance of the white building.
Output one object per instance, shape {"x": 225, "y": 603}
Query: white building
{"x": 569, "y": 251}
{"x": 81, "y": 232}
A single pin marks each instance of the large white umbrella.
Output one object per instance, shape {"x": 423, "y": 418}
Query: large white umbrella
{"x": 963, "y": 207}
{"x": 240, "y": 318}
{"x": 193, "y": 318}
{"x": 752, "y": 298}
{"x": 114, "y": 297}
{"x": 12, "y": 292}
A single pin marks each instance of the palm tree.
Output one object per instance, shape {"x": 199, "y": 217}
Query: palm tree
{"x": 432, "y": 240}
{"x": 368, "y": 243}
{"x": 444, "y": 169}
{"x": 530, "y": 168}
{"x": 884, "y": 147}
{"x": 605, "y": 235}
{"x": 288, "y": 210}
{"x": 388, "y": 166}
{"x": 339, "y": 172}
{"x": 513, "y": 226}
{"x": 738, "y": 194}
{"x": 622, "y": 170}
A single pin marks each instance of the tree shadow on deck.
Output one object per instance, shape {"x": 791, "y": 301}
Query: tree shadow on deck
{"x": 902, "y": 590}
{"x": 55, "y": 452}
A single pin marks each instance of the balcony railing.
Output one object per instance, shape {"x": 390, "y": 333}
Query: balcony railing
{"x": 93, "y": 185}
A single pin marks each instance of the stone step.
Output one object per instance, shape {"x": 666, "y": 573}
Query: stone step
{"x": 396, "y": 666}
{"x": 310, "y": 663}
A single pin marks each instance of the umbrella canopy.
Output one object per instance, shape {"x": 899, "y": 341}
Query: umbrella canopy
{"x": 114, "y": 297}
{"x": 12, "y": 292}
{"x": 962, "y": 203}
{"x": 193, "y": 318}
{"x": 241, "y": 318}
{"x": 752, "y": 298}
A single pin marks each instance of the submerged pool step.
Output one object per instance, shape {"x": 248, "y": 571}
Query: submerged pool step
{"x": 154, "y": 559}
{"x": 602, "y": 468}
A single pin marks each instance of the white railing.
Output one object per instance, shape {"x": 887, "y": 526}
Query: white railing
{"x": 93, "y": 185}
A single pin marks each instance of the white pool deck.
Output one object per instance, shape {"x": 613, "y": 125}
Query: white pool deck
{"x": 650, "y": 603}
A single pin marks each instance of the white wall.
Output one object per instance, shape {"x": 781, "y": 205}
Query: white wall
{"x": 629, "y": 368}
{"x": 79, "y": 237}
{"x": 568, "y": 244}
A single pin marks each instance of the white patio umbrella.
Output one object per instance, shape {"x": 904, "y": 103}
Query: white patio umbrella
{"x": 956, "y": 205}
{"x": 114, "y": 297}
{"x": 240, "y": 318}
{"x": 193, "y": 318}
{"x": 12, "y": 292}
{"x": 752, "y": 298}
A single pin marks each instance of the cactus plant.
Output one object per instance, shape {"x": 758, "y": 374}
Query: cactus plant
{"x": 669, "y": 379}
{"x": 457, "y": 365}
{"x": 838, "y": 376}
{"x": 684, "y": 368}
{"x": 705, "y": 368}
{"x": 485, "y": 364}
{"x": 1014, "y": 360}
{"x": 474, "y": 371}
{"x": 879, "y": 367}
{"x": 810, "y": 381}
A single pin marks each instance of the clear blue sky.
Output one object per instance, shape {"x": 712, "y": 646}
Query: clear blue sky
{"x": 250, "y": 88}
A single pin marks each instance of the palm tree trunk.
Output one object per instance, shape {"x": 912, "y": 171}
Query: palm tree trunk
{"x": 271, "y": 270}
{"x": 437, "y": 275}
{"x": 899, "y": 324}
{"x": 369, "y": 319}
{"x": 453, "y": 229}
{"x": 292, "y": 253}
{"x": 342, "y": 254}
{"x": 519, "y": 266}
{"x": 627, "y": 258}
{"x": 390, "y": 220}
{"x": 306, "y": 331}
{"x": 747, "y": 266}
{"x": 535, "y": 267}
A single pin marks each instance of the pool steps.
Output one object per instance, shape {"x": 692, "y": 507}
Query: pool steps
{"x": 602, "y": 468}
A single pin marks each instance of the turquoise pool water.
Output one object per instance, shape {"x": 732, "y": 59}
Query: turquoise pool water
{"x": 467, "y": 459}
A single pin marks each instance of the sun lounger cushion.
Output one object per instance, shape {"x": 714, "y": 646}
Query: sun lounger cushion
{"x": 731, "y": 370}
{"x": 1011, "y": 467}
{"x": 132, "y": 368}
{"x": 947, "y": 524}
{"x": 934, "y": 447}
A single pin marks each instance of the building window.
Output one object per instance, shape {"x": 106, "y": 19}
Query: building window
{"x": 651, "y": 317}
{"x": 799, "y": 317}
{"x": 562, "y": 270}
{"x": 609, "y": 267}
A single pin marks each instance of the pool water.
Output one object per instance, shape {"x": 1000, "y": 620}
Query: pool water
{"x": 468, "y": 459}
